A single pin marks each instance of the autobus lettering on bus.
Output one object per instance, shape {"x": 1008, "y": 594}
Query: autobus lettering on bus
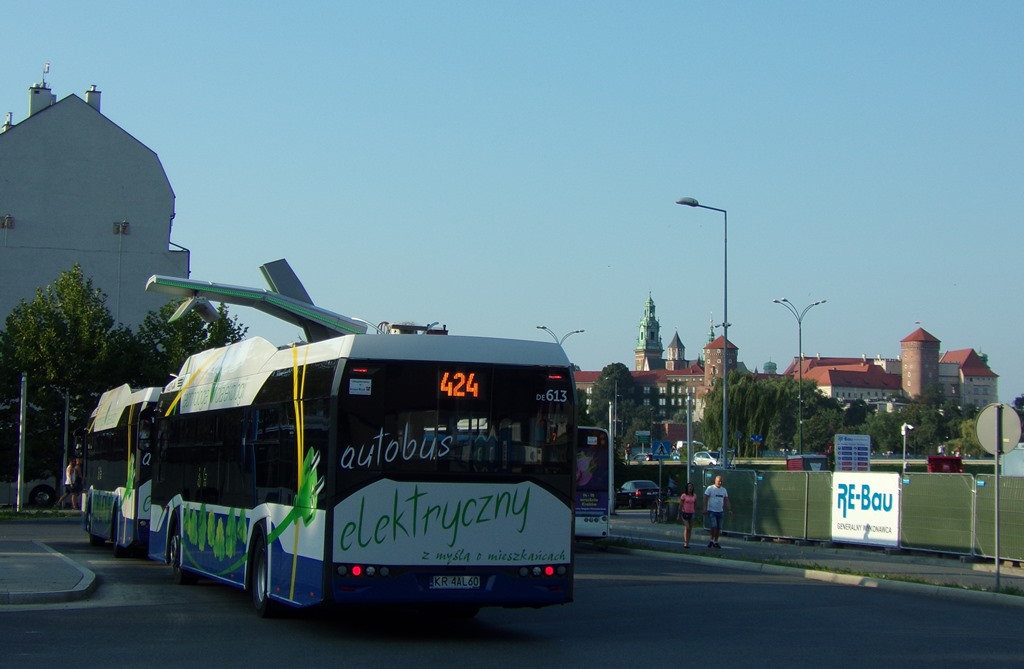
{"x": 400, "y": 447}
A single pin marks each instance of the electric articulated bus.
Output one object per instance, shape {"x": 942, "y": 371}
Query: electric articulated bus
{"x": 117, "y": 467}
{"x": 408, "y": 469}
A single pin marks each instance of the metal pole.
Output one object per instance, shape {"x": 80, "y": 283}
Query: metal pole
{"x": 799, "y": 316}
{"x": 611, "y": 458}
{"x": 725, "y": 341}
{"x": 691, "y": 202}
{"x": 689, "y": 432}
{"x": 22, "y": 428}
{"x": 999, "y": 450}
{"x": 615, "y": 413}
{"x": 800, "y": 386}
{"x": 67, "y": 437}
{"x": 904, "y": 430}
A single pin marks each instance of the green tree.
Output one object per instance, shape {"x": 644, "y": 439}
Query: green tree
{"x": 164, "y": 346}
{"x": 640, "y": 418}
{"x": 968, "y": 443}
{"x": 855, "y": 414}
{"x": 754, "y": 407}
{"x": 615, "y": 381}
{"x": 821, "y": 428}
{"x": 65, "y": 340}
{"x": 823, "y": 419}
{"x": 884, "y": 429}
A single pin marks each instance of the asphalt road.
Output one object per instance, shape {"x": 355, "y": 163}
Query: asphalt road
{"x": 630, "y": 611}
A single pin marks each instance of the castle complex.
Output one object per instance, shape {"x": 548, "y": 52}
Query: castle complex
{"x": 664, "y": 377}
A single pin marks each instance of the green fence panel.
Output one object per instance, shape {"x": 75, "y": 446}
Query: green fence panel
{"x": 819, "y": 506}
{"x": 1011, "y": 516}
{"x": 781, "y": 504}
{"x": 937, "y": 512}
{"x": 741, "y": 484}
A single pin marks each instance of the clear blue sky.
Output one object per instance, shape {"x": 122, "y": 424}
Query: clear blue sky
{"x": 497, "y": 166}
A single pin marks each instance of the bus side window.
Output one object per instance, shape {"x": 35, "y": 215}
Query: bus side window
{"x": 274, "y": 446}
{"x": 146, "y": 428}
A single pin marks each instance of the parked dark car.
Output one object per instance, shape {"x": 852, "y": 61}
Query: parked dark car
{"x": 635, "y": 494}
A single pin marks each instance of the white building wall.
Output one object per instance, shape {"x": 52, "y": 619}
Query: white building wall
{"x": 979, "y": 391}
{"x": 67, "y": 174}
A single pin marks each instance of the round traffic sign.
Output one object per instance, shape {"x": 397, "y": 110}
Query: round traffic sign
{"x": 987, "y": 423}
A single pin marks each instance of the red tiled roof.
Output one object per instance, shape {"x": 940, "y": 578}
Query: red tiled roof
{"x": 717, "y": 343}
{"x": 859, "y": 375}
{"x": 693, "y": 370}
{"x": 969, "y": 362}
{"x": 818, "y": 361}
{"x": 920, "y": 334}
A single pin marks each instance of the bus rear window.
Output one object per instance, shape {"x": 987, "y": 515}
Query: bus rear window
{"x": 426, "y": 417}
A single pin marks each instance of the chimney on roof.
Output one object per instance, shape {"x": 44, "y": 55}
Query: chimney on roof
{"x": 92, "y": 97}
{"x": 39, "y": 98}
{"x": 7, "y": 123}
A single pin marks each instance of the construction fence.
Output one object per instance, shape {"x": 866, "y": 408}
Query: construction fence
{"x": 943, "y": 513}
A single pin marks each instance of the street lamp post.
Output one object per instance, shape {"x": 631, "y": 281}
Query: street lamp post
{"x": 555, "y": 337}
{"x": 904, "y": 430}
{"x": 690, "y": 202}
{"x": 799, "y": 316}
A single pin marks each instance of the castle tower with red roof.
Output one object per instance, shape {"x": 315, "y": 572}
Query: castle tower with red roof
{"x": 920, "y": 353}
{"x": 713, "y": 357}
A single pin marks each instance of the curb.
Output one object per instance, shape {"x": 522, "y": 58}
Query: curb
{"x": 926, "y": 589}
{"x": 86, "y": 585}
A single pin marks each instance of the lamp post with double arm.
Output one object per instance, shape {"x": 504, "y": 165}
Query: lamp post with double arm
{"x": 691, "y": 202}
{"x": 799, "y": 314}
{"x": 558, "y": 340}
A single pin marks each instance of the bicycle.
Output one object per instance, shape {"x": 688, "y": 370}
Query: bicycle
{"x": 659, "y": 511}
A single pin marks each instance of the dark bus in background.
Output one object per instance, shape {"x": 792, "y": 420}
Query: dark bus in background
{"x": 116, "y": 467}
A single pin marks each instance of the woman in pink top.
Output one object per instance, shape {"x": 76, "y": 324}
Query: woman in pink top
{"x": 687, "y": 507}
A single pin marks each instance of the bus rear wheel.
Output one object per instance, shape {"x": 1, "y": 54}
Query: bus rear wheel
{"x": 181, "y": 577}
{"x": 259, "y": 579}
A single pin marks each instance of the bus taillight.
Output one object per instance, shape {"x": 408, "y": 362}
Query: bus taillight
{"x": 546, "y": 570}
{"x": 358, "y": 570}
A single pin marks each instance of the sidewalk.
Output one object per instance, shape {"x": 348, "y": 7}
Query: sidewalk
{"x": 33, "y": 573}
{"x": 922, "y": 573}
